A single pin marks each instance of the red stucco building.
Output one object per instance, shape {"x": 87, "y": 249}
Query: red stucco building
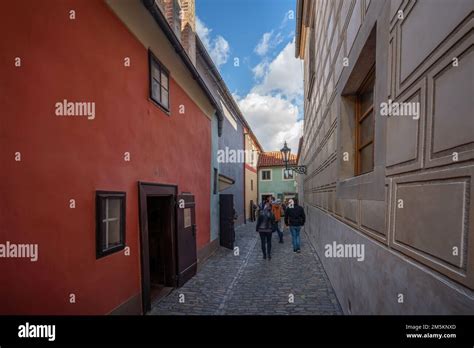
{"x": 95, "y": 190}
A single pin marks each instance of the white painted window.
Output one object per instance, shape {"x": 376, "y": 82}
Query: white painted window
{"x": 287, "y": 174}
{"x": 110, "y": 222}
{"x": 159, "y": 82}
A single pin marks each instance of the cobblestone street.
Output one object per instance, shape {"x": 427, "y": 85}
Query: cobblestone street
{"x": 249, "y": 285}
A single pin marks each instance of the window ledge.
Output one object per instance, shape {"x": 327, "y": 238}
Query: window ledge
{"x": 166, "y": 111}
{"x": 369, "y": 186}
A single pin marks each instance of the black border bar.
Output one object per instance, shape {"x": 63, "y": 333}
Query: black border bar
{"x": 139, "y": 330}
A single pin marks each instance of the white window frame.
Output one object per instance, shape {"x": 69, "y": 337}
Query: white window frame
{"x": 102, "y": 216}
{"x": 108, "y": 220}
{"x": 261, "y": 174}
{"x": 283, "y": 175}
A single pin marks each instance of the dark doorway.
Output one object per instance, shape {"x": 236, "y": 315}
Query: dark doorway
{"x": 167, "y": 239}
{"x": 253, "y": 209}
{"x": 226, "y": 220}
{"x": 160, "y": 241}
{"x": 265, "y": 197}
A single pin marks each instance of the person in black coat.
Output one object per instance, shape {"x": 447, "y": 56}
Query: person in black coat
{"x": 264, "y": 227}
{"x": 295, "y": 218}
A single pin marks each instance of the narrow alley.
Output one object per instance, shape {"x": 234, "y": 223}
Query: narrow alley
{"x": 141, "y": 140}
{"x": 246, "y": 284}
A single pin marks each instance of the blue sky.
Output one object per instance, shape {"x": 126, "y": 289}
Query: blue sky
{"x": 268, "y": 82}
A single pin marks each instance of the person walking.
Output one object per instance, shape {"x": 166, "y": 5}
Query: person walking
{"x": 264, "y": 227}
{"x": 295, "y": 218}
{"x": 253, "y": 211}
{"x": 264, "y": 201}
{"x": 277, "y": 213}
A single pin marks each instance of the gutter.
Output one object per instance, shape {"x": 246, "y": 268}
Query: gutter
{"x": 299, "y": 14}
{"x": 171, "y": 36}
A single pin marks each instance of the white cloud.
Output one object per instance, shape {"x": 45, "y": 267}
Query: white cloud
{"x": 260, "y": 69}
{"x": 272, "y": 107}
{"x": 264, "y": 44}
{"x": 218, "y": 47}
{"x": 220, "y": 51}
{"x": 273, "y": 119}
{"x": 290, "y": 15}
{"x": 203, "y": 32}
{"x": 284, "y": 75}
{"x": 267, "y": 42}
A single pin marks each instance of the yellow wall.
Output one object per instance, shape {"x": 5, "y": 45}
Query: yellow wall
{"x": 250, "y": 175}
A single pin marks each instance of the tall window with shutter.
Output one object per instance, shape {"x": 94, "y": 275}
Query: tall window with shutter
{"x": 159, "y": 82}
{"x": 364, "y": 136}
{"x": 110, "y": 222}
{"x": 312, "y": 63}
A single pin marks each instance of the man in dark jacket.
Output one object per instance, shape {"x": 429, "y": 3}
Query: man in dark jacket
{"x": 264, "y": 227}
{"x": 295, "y": 218}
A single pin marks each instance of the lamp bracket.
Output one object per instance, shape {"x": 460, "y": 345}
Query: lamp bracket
{"x": 297, "y": 169}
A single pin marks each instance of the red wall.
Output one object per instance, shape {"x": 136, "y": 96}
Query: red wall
{"x": 65, "y": 158}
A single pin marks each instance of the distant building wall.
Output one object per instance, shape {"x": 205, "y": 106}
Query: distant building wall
{"x": 251, "y": 193}
{"x": 277, "y": 186}
{"x": 232, "y": 135}
{"x": 251, "y": 177}
{"x": 233, "y": 138}
{"x": 214, "y": 181}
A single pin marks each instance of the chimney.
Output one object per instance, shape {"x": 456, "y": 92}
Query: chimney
{"x": 171, "y": 10}
{"x": 188, "y": 28}
{"x": 180, "y": 15}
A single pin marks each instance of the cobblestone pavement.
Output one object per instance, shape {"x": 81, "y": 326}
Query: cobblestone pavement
{"x": 249, "y": 285}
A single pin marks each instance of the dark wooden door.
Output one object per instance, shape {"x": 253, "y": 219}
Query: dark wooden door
{"x": 186, "y": 238}
{"x": 145, "y": 191}
{"x": 226, "y": 223}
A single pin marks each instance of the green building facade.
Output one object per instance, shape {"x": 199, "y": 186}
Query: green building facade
{"x": 274, "y": 179}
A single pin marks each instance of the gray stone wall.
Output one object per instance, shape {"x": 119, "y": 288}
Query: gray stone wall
{"x": 413, "y": 211}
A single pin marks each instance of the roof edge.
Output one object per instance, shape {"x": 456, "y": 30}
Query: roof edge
{"x": 299, "y": 22}
{"x": 160, "y": 19}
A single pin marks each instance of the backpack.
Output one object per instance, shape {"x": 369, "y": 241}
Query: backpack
{"x": 276, "y": 210}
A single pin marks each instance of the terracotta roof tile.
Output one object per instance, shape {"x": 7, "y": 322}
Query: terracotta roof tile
{"x": 274, "y": 158}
